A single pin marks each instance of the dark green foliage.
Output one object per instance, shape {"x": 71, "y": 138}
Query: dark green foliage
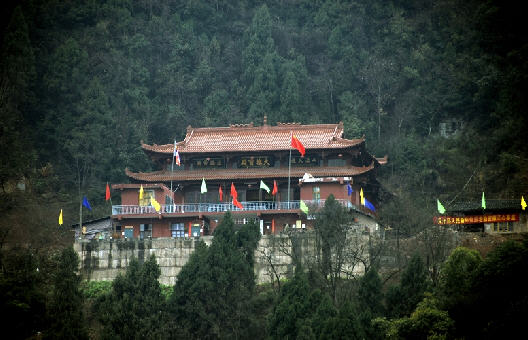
{"x": 331, "y": 230}
{"x": 212, "y": 297}
{"x": 497, "y": 291}
{"x": 65, "y": 310}
{"x": 92, "y": 79}
{"x": 95, "y": 289}
{"x": 403, "y": 298}
{"x": 370, "y": 295}
{"x": 369, "y": 301}
{"x": 82, "y": 82}
{"x": 295, "y": 306}
{"x": 426, "y": 322}
{"x": 135, "y": 308}
{"x": 22, "y": 293}
{"x": 456, "y": 288}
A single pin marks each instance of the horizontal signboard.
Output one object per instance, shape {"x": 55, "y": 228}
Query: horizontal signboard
{"x": 256, "y": 162}
{"x": 442, "y": 220}
{"x": 308, "y": 160}
{"x": 200, "y": 163}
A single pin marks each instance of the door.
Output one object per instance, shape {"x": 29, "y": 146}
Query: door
{"x": 129, "y": 232}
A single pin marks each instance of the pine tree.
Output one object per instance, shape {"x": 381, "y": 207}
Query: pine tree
{"x": 135, "y": 308}
{"x": 66, "y": 308}
{"x": 212, "y": 295}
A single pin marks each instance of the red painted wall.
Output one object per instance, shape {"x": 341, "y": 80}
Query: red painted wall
{"x": 338, "y": 190}
{"x": 129, "y": 197}
{"x": 161, "y": 229}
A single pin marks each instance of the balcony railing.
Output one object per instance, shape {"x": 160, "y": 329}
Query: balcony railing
{"x": 219, "y": 207}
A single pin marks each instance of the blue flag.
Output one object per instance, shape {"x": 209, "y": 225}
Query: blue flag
{"x": 86, "y": 203}
{"x": 350, "y": 190}
{"x": 369, "y": 205}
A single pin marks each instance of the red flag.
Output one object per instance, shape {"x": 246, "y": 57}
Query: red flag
{"x": 107, "y": 192}
{"x": 234, "y": 193}
{"x": 237, "y": 204}
{"x": 220, "y": 193}
{"x": 275, "y": 189}
{"x": 295, "y": 143}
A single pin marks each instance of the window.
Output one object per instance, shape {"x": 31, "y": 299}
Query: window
{"x": 145, "y": 231}
{"x": 316, "y": 193}
{"x": 177, "y": 230}
{"x": 145, "y": 201}
{"x": 241, "y": 221}
{"x": 503, "y": 227}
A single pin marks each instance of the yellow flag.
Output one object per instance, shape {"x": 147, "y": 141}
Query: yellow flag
{"x": 362, "y": 197}
{"x": 523, "y": 203}
{"x": 141, "y": 192}
{"x": 155, "y": 204}
{"x": 60, "y": 218}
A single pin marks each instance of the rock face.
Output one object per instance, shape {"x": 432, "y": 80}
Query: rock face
{"x": 103, "y": 260}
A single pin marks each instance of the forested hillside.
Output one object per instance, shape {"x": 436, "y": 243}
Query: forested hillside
{"x": 83, "y": 82}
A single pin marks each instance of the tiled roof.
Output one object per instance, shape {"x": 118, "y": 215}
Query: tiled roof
{"x": 260, "y": 138}
{"x": 257, "y": 173}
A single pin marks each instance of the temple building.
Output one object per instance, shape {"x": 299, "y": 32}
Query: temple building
{"x": 245, "y": 169}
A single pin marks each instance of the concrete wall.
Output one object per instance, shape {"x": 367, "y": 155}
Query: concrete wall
{"x": 103, "y": 260}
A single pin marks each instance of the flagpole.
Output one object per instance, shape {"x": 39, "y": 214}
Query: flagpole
{"x": 289, "y": 171}
{"x": 80, "y": 219}
{"x": 172, "y": 167}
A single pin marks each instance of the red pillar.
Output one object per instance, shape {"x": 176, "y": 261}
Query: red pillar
{"x": 273, "y": 226}
{"x": 190, "y": 229}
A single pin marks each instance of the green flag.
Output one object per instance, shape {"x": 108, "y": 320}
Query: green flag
{"x": 263, "y": 186}
{"x": 204, "y": 187}
{"x": 304, "y": 207}
{"x": 483, "y": 201}
{"x": 441, "y": 208}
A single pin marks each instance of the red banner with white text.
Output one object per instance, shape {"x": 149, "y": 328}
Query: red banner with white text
{"x": 443, "y": 220}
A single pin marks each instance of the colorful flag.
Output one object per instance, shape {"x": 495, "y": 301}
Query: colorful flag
{"x": 237, "y": 204}
{"x": 234, "y": 193}
{"x": 220, "y": 193}
{"x": 296, "y": 143}
{"x": 155, "y": 204}
{"x": 141, "y": 192}
{"x": 440, "y": 207}
{"x": 483, "y": 201}
{"x": 60, "y": 218}
{"x": 275, "y": 189}
{"x": 350, "y": 190}
{"x": 176, "y": 155}
{"x": 369, "y": 205}
{"x": 303, "y": 207}
{"x": 362, "y": 197}
{"x": 204, "y": 187}
{"x": 107, "y": 197}
{"x": 263, "y": 186}
{"x": 523, "y": 203}
{"x": 86, "y": 203}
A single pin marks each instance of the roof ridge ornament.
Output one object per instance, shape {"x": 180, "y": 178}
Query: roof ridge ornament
{"x": 242, "y": 125}
{"x": 288, "y": 124}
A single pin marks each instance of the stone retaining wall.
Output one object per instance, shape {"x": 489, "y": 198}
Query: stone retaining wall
{"x": 103, "y": 260}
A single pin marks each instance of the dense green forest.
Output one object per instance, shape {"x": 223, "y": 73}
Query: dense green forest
{"x": 215, "y": 296}
{"x": 82, "y": 82}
